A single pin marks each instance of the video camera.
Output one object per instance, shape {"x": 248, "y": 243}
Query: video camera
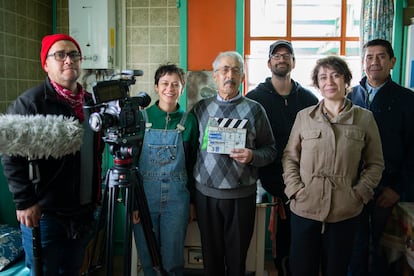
{"x": 123, "y": 128}
{"x": 119, "y": 116}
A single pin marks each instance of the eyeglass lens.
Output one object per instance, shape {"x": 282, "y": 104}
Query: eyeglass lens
{"x": 224, "y": 70}
{"x": 61, "y": 55}
{"x": 280, "y": 56}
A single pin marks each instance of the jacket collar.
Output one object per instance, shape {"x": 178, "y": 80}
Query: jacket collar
{"x": 365, "y": 79}
{"x": 346, "y": 117}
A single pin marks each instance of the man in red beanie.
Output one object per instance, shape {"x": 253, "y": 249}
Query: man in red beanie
{"x": 58, "y": 195}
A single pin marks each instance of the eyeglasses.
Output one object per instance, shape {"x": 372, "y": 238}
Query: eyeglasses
{"x": 226, "y": 69}
{"x": 61, "y": 55}
{"x": 280, "y": 56}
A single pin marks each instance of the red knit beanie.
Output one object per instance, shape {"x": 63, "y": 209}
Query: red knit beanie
{"x": 49, "y": 40}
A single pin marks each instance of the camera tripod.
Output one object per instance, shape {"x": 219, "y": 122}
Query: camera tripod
{"x": 125, "y": 178}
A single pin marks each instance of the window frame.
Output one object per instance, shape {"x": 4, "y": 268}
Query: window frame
{"x": 343, "y": 38}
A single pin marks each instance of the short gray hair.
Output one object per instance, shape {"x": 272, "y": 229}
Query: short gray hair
{"x": 233, "y": 54}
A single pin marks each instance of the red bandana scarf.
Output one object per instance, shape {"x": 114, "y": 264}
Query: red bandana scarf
{"x": 75, "y": 101}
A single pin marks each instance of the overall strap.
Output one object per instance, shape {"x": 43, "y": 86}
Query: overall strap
{"x": 181, "y": 125}
{"x": 145, "y": 115}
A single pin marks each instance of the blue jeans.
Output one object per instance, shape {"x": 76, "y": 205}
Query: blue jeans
{"x": 60, "y": 255}
{"x": 169, "y": 222}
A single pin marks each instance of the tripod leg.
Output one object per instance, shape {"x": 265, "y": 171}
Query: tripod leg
{"x": 128, "y": 229}
{"x": 110, "y": 230}
{"x": 96, "y": 261}
{"x": 147, "y": 226}
{"x": 37, "y": 252}
{"x": 118, "y": 181}
{"x": 129, "y": 180}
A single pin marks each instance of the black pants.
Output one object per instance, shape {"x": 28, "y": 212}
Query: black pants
{"x": 226, "y": 228}
{"x": 283, "y": 242}
{"x": 283, "y": 235}
{"x": 368, "y": 257}
{"x": 318, "y": 246}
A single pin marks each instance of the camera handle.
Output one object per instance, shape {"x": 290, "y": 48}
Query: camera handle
{"x": 124, "y": 177}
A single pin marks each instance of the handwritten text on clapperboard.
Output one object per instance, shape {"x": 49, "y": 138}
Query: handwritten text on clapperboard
{"x": 225, "y": 134}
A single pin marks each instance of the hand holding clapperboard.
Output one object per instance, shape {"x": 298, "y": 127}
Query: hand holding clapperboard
{"x": 225, "y": 134}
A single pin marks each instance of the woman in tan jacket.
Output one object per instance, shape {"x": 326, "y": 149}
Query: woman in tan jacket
{"x": 332, "y": 163}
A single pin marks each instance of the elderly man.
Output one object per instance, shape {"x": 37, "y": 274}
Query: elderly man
{"x": 235, "y": 139}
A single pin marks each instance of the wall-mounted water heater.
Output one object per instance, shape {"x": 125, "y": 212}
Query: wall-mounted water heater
{"x": 92, "y": 24}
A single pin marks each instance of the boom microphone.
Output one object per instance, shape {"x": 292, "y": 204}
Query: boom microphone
{"x": 39, "y": 136}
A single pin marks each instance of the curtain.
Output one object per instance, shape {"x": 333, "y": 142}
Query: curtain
{"x": 376, "y": 20}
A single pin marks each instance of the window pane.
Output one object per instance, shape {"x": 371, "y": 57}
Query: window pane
{"x": 316, "y": 18}
{"x": 260, "y": 48}
{"x": 316, "y": 47}
{"x": 353, "y": 17}
{"x": 256, "y": 71}
{"x": 354, "y": 64}
{"x": 352, "y": 48}
{"x": 267, "y": 18}
{"x": 354, "y": 60}
{"x": 256, "y": 63}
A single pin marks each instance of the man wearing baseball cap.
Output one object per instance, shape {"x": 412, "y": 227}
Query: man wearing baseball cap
{"x": 282, "y": 98}
{"x": 57, "y": 195}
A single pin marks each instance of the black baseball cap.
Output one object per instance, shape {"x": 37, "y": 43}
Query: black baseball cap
{"x": 281, "y": 43}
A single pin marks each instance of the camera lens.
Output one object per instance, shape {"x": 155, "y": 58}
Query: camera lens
{"x": 95, "y": 122}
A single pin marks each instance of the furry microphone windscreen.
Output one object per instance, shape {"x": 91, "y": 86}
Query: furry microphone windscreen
{"x": 39, "y": 136}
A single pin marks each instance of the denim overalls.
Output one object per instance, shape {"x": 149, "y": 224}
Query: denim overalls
{"x": 162, "y": 165}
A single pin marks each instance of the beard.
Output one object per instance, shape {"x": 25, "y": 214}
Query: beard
{"x": 281, "y": 72}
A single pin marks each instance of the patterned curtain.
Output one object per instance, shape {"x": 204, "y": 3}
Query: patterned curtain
{"x": 376, "y": 20}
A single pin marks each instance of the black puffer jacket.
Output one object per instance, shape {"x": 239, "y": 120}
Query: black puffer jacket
{"x": 59, "y": 189}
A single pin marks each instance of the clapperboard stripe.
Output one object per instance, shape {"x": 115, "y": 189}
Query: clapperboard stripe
{"x": 231, "y": 123}
{"x": 241, "y": 123}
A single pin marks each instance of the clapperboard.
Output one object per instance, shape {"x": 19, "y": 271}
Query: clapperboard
{"x": 225, "y": 134}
